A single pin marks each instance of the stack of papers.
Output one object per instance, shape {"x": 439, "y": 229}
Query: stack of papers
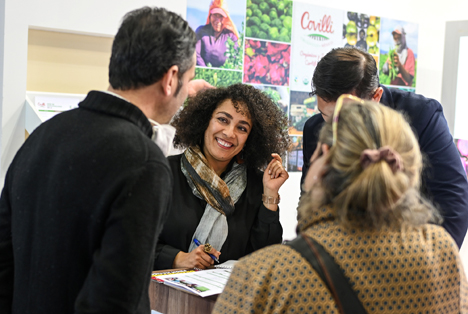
{"x": 203, "y": 283}
{"x": 228, "y": 264}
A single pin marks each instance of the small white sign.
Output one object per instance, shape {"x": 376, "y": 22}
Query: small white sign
{"x": 316, "y": 30}
{"x": 49, "y": 106}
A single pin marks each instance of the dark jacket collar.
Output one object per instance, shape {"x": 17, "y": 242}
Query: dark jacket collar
{"x": 112, "y": 105}
{"x": 387, "y": 98}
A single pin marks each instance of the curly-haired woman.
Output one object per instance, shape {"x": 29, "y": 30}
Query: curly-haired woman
{"x": 220, "y": 196}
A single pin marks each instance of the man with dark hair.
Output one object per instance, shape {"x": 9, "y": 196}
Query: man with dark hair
{"x": 353, "y": 71}
{"x": 86, "y": 196}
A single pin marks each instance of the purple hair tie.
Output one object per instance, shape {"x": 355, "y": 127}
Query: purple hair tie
{"x": 371, "y": 156}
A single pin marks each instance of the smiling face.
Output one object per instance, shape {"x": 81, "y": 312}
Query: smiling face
{"x": 216, "y": 21}
{"x": 226, "y": 134}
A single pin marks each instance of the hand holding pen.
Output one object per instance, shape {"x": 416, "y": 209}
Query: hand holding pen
{"x": 197, "y": 258}
{"x": 207, "y": 248}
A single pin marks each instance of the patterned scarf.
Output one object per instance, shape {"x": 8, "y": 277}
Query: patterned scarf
{"x": 220, "y": 195}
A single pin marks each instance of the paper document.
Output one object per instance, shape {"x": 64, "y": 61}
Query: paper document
{"x": 171, "y": 272}
{"x": 203, "y": 283}
{"x": 227, "y": 264}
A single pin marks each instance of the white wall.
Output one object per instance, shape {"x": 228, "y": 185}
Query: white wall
{"x": 102, "y": 18}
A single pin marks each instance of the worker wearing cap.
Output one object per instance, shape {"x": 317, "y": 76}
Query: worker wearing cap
{"x": 403, "y": 59}
{"x": 212, "y": 37}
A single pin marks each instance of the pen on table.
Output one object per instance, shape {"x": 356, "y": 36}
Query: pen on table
{"x": 211, "y": 255}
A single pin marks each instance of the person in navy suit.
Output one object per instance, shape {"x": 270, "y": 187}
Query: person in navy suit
{"x": 354, "y": 71}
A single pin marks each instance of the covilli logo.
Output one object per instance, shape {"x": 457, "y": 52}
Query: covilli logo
{"x": 325, "y": 25}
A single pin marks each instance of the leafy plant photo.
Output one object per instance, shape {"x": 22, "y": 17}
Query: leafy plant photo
{"x": 233, "y": 53}
{"x": 218, "y": 77}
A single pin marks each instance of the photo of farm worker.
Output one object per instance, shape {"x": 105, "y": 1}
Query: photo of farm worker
{"x": 403, "y": 60}
{"x": 212, "y": 37}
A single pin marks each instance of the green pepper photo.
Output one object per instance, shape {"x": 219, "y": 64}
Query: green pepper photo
{"x": 270, "y": 20}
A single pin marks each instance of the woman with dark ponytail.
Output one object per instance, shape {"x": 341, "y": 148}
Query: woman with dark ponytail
{"x": 364, "y": 209}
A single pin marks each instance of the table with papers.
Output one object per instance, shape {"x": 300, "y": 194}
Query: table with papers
{"x": 187, "y": 291}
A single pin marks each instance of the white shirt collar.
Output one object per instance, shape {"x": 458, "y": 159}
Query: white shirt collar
{"x": 114, "y": 94}
{"x": 153, "y": 123}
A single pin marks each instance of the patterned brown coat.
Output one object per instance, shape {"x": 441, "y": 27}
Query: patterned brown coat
{"x": 393, "y": 271}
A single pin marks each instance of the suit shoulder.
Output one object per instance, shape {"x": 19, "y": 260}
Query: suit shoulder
{"x": 412, "y": 102}
{"x": 313, "y": 122}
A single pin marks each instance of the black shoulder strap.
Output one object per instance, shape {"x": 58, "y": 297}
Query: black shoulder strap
{"x": 323, "y": 263}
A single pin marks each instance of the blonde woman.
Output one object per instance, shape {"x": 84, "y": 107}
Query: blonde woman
{"x": 363, "y": 207}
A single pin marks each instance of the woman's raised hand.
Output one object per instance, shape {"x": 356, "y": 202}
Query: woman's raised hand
{"x": 273, "y": 178}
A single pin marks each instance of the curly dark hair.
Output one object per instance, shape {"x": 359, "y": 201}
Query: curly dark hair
{"x": 269, "y": 132}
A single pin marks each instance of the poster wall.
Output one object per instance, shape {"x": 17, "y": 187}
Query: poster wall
{"x": 275, "y": 46}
